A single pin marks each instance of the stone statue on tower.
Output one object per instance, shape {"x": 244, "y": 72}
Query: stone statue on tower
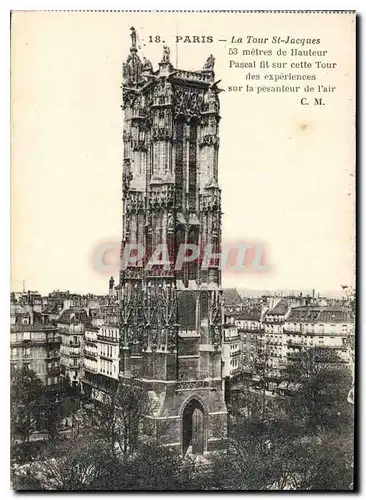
{"x": 133, "y": 38}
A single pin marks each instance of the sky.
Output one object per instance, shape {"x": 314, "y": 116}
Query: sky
{"x": 286, "y": 171}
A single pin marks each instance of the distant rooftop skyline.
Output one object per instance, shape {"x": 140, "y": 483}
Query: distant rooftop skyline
{"x": 244, "y": 292}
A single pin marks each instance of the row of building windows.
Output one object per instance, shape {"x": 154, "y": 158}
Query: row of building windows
{"x": 110, "y": 332}
{"x": 248, "y": 326}
{"x": 106, "y": 350}
{"x": 27, "y": 352}
{"x": 107, "y": 367}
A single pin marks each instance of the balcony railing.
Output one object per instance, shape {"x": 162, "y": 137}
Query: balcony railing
{"x": 106, "y": 356}
{"x": 33, "y": 328}
{"x": 72, "y": 343}
{"x": 251, "y": 330}
{"x": 34, "y": 342}
{"x": 74, "y": 367}
{"x": 235, "y": 353}
{"x": 74, "y": 353}
{"x": 64, "y": 361}
{"x": 308, "y": 332}
{"x": 270, "y": 321}
{"x": 91, "y": 369}
{"x": 231, "y": 338}
{"x": 90, "y": 354}
{"x": 105, "y": 338}
{"x": 90, "y": 339}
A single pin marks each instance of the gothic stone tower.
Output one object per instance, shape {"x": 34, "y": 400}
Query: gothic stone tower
{"x": 171, "y": 319}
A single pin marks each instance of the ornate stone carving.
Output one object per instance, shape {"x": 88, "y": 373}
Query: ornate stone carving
{"x": 126, "y": 229}
{"x": 210, "y": 201}
{"x": 128, "y": 97}
{"x": 209, "y": 140}
{"x": 132, "y": 315}
{"x": 215, "y": 228}
{"x": 193, "y": 384}
{"x": 131, "y": 69}
{"x": 139, "y": 145}
{"x": 160, "y": 311}
{"x": 172, "y": 337}
{"x": 170, "y": 227}
{"x": 188, "y": 102}
{"x": 166, "y": 54}
{"x": 127, "y": 175}
{"x": 209, "y": 64}
{"x": 163, "y": 93}
{"x": 146, "y": 65}
{"x": 216, "y": 337}
{"x": 126, "y": 136}
{"x": 209, "y": 121}
{"x": 161, "y": 196}
{"x": 161, "y": 134}
{"x": 211, "y": 101}
{"x": 133, "y": 202}
{"x": 138, "y": 111}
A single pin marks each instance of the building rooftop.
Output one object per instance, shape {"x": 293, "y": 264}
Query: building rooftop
{"x": 251, "y": 314}
{"x": 52, "y": 308}
{"x": 231, "y": 297}
{"x": 91, "y": 328}
{"x": 74, "y": 316}
{"x": 280, "y": 309}
{"x": 329, "y": 314}
{"x": 16, "y": 309}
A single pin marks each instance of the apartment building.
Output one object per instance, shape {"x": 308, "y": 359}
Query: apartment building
{"x": 231, "y": 348}
{"x": 71, "y": 325}
{"x": 251, "y": 330}
{"x": 101, "y": 359}
{"x": 35, "y": 343}
{"x": 322, "y": 327}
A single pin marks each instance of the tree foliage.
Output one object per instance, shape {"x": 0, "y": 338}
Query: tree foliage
{"x": 116, "y": 420}
{"x": 303, "y": 441}
{"x": 27, "y": 398}
{"x": 320, "y": 402}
